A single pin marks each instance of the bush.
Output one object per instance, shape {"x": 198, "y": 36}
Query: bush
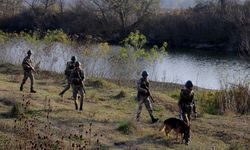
{"x": 122, "y": 94}
{"x": 3, "y": 36}
{"x": 126, "y": 127}
{"x": 56, "y": 36}
{"x": 234, "y": 98}
{"x": 15, "y": 111}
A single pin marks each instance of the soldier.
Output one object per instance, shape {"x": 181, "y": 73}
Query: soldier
{"x": 143, "y": 96}
{"x": 77, "y": 78}
{"x": 28, "y": 70}
{"x": 187, "y": 106}
{"x": 69, "y": 68}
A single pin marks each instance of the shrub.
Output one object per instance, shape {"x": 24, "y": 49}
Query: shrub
{"x": 15, "y": 111}
{"x": 122, "y": 94}
{"x": 126, "y": 127}
{"x": 3, "y": 36}
{"x": 56, "y": 36}
{"x": 235, "y": 98}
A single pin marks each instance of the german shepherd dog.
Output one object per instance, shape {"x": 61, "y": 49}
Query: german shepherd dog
{"x": 179, "y": 126}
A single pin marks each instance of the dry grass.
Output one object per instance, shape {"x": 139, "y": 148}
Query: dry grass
{"x": 52, "y": 123}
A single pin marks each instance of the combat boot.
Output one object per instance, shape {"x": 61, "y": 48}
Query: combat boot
{"x": 21, "y": 88}
{"x": 32, "y": 91}
{"x": 61, "y": 94}
{"x": 187, "y": 142}
{"x": 154, "y": 120}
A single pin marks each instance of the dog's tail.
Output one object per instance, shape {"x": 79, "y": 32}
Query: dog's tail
{"x": 162, "y": 128}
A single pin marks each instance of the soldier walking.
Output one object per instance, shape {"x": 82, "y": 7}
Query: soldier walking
{"x": 143, "y": 96}
{"x": 69, "y": 68}
{"x": 77, "y": 78}
{"x": 28, "y": 70}
{"x": 187, "y": 106}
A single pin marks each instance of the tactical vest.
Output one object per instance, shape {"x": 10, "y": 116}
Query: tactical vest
{"x": 70, "y": 67}
{"x": 26, "y": 64}
{"x": 186, "y": 100}
{"x": 145, "y": 85}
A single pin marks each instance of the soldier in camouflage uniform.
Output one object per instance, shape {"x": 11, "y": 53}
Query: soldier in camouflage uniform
{"x": 77, "y": 78}
{"x": 28, "y": 70}
{"x": 187, "y": 106}
{"x": 69, "y": 68}
{"x": 143, "y": 96}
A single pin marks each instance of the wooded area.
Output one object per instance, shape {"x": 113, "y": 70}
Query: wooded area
{"x": 210, "y": 23}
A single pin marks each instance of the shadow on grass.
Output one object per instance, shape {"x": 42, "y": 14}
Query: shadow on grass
{"x": 149, "y": 139}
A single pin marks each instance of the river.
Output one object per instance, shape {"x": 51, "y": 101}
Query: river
{"x": 207, "y": 69}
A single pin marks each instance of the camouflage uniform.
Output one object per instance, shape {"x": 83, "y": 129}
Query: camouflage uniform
{"x": 28, "y": 72}
{"x": 69, "y": 68}
{"x": 187, "y": 106}
{"x": 77, "y": 78}
{"x": 143, "y": 97}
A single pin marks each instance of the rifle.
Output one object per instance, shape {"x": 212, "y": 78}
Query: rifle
{"x": 150, "y": 95}
{"x": 81, "y": 82}
{"x": 33, "y": 69}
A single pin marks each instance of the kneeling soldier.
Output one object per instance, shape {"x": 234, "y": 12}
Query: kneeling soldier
{"x": 77, "y": 78}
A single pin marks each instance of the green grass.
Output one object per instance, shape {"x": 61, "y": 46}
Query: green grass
{"x": 112, "y": 118}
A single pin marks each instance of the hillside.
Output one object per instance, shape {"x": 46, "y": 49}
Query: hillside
{"x": 49, "y": 122}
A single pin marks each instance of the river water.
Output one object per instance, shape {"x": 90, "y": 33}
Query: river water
{"x": 207, "y": 69}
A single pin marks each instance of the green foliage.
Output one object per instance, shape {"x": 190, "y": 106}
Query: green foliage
{"x": 104, "y": 48}
{"x": 208, "y": 102}
{"x": 3, "y": 36}
{"x": 141, "y": 53}
{"x": 135, "y": 40}
{"x": 123, "y": 54}
{"x": 56, "y": 36}
{"x": 15, "y": 110}
{"x": 126, "y": 127}
{"x": 34, "y": 38}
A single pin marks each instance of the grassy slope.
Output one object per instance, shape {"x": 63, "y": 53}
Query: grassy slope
{"x": 106, "y": 112}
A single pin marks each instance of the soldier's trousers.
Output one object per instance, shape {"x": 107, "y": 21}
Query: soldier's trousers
{"x": 76, "y": 89}
{"x": 26, "y": 75}
{"x": 185, "y": 116}
{"x": 67, "y": 86}
{"x": 143, "y": 100}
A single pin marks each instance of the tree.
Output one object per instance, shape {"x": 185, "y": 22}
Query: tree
{"x": 128, "y": 12}
{"x": 10, "y": 7}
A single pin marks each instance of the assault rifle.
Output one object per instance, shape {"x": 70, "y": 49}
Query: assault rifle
{"x": 81, "y": 81}
{"x": 149, "y": 95}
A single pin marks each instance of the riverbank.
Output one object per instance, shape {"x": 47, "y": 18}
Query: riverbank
{"x": 106, "y": 113}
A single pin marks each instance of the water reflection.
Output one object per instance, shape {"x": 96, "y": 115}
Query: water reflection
{"x": 205, "y": 68}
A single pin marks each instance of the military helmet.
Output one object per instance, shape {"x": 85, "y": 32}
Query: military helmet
{"x": 144, "y": 73}
{"x": 77, "y": 64}
{"x": 29, "y": 52}
{"x": 189, "y": 84}
{"x": 73, "y": 58}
